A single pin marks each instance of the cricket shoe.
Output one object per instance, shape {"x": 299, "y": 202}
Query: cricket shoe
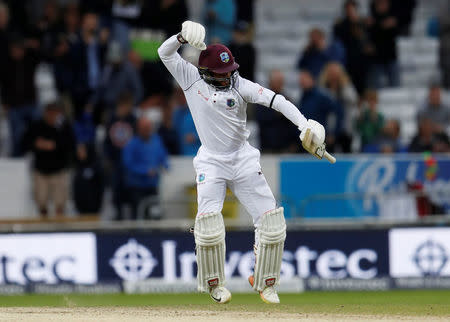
{"x": 268, "y": 295}
{"x": 220, "y": 294}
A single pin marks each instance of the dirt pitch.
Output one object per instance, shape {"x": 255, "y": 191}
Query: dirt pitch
{"x": 125, "y": 314}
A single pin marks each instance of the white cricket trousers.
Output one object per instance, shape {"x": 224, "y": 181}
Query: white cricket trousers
{"x": 241, "y": 172}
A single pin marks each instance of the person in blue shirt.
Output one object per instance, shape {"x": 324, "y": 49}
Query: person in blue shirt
{"x": 316, "y": 104}
{"x": 144, "y": 157}
{"x": 317, "y": 53}
{"x": 185, "y": 128}
{"x": 220, "y": 18}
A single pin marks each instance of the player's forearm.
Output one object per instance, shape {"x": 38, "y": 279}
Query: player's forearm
{"x": 168, "y": 49}
{"x": 289, "y": 110}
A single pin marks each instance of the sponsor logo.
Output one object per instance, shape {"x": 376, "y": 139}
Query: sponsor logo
{"x": 260, "y": 91}
{"x": 48, "y": 258}
{"x": 419, "y": 252}
{"x": 213, "y": 282}
{"x": 172, "y": 259}
{"x": 270, "y": 281}
{"x": 224, "y": 57}
{"x": 430, "y": 258}
{"x": 201, "y": 177}
{"x": 133, "y": 261}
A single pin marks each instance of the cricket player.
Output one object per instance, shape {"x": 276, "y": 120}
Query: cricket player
{"x": 217, "y": 97}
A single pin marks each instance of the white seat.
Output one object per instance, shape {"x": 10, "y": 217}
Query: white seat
{"x": 393, "y": 95}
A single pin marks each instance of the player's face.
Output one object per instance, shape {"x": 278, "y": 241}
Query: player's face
{"x": 223, "y": 75}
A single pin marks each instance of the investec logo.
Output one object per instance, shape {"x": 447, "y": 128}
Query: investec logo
{"x": 430, "y": 258}
{"x": 133, "y": 261}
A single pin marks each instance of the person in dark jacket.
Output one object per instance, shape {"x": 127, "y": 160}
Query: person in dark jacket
{"x": 88, "y": 183}
{"x": 318, "y": 105}
{"x": 143, "y": 158}
{"x": 86, "y": 59}
{"x": 428, "y": 140}
{"x": 119, "y": 131}
{"x": 383, "y": 31}
{"x": 18, "y": 91}
{"x": 52, "y": 144}
{"x": 243, "y": 50}
{"x": 352, "y": 33}
{"x": 118, "y": 76}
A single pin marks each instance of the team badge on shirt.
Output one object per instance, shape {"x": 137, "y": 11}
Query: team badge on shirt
{"x": 201, "y": 177}
{"x": 224, "y": 57}
{"x": 231, "y": 102}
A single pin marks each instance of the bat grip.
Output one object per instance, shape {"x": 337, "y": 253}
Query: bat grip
{"x": 329, "y": 157}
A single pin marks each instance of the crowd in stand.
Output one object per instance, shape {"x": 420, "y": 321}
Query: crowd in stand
{"x": 102, "y": 55}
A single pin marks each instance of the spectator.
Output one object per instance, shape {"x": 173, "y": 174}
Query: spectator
{"x": 119, "y": 131}
{"x": 52, "y": 143}
{"x": 101, "y": 8}
{"x": 383, "y": 31}
{"x": 435, "y": 110}
{"x": 335, "y": 80}
{"x": 403, "y": 12}
{"x": 143, "y": 158}
{"x": 125, "y": 15}
{"x": 184, "y": 124}
{"x": 85, "y": 129}
{"x": 4, "y": 33}
{"x": 88, "y": 182}
{"x": 118, "y": 76}
{"x": 277, "y": 133}
{"x": 245, "y": 11}
{"x": 49, "y": 26}
{"x": 165, "y": 15}
{"x": 317, "y": 105}
{"x": 444, "y": 42}
{"x": 168, "y": 131}
{"x": 155, "y": 79}
{"x": 65, "y": 38}
{"x": 389, "y": 140}
{"x": 243, "y": 50}
{"x": 86, "y": 61}
{"x": 352, "y": 33}
{"x": 370, "y": 122}
{"x": 18, "y": 91}
{"x": 220, "y": 18}
{"x": 317, "y": 54}
{"x": 428, "y": 140}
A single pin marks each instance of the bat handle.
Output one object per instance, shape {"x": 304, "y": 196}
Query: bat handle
{"x": 329, "y": 157}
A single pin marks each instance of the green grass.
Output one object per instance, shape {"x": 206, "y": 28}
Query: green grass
{"x": 409, "y": 303}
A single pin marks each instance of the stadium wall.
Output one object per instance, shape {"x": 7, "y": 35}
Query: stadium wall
{"x": 356, "y": 186}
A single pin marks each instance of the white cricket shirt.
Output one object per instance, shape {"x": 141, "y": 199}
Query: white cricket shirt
{"x": 220, "y": 116}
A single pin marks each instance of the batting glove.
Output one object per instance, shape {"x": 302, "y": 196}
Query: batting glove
{"x": 194, "y": 34}
{"x": 313, "y": 140}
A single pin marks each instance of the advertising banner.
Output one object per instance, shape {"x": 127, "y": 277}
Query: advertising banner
{"x": 364, "y": 186}
{"x": 171, "y": 256}
{"x": 48, "y": 258}
{"x": 419, "y": 252}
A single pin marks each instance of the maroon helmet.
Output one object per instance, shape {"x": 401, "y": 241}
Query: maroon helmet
{"x": 217, "y": 59}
